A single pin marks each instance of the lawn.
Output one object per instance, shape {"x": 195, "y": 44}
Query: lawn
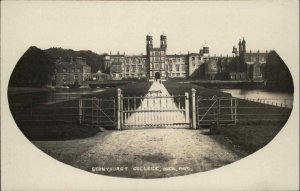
{"x": 132, "y": 89}
{"x": 250, "y": 138}
{"x": 175, "y": 88}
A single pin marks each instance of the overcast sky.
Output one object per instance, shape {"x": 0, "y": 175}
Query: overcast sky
{"x": 123, "y": 26}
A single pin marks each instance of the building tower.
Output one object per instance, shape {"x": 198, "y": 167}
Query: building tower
{"x": 163, "y": 42}
{"x": 244, "y": 45}
{"x": 149, "y": 43}
{"x": 240, "y": 47}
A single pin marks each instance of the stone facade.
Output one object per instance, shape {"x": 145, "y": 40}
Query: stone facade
{"x": 71, "y": 73}
{"x": 158, "y": 64}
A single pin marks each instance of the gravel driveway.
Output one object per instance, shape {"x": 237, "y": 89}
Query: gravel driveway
{"x": 156, "y": 153}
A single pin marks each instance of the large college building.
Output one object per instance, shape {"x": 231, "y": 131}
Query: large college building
{"x": 157, "y": 64}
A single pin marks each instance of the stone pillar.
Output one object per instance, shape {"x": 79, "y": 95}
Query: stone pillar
{"x": 187, "y": 108}
{"x": 193, "y": 96}
{"x": 119, "y": 112}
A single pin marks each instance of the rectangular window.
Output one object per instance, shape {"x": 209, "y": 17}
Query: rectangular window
{"x": 64, "y": 77}
{"x": 64, "y": 70}
{"x": 78, "y": 70}
{"x": 177, "y": 67}
{"x": 127, "y": 68}
{"x": 72, "y": 70}
{"x": 157, "y": 66}
{"x": 133, "y": 68}
{"x": 193, "y": 58}
{"x": 140, "y": 68}
{"x": 183, "y": 67}
{"x": 75, "y": 77}
{"x": 170, "y": 67}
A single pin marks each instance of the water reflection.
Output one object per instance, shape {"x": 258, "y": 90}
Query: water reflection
{"x": 264, "y": 96}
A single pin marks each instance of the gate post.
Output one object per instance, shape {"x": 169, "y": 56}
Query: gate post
{"x": 119, "y": 112}
{"x": 80, "y": 110}
{"x": 187, "y": 108}
{"x": 193, "y": 92}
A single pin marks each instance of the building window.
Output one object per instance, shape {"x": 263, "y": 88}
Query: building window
{"x": 140, "y": 68}
{"x": 77, "y": 70}
{"x": 170, "y": 67}
{"x": 72, "y": 70}
{"x": 64, "y": 70}
{"x": 193, "y": 58}
{"x": 116, "y": 68}
{"x": 133, "y": 68}
{"x": 178, "y": 74}
{"x": 64, "y": 77}
{"x": 157, "y": 66}
{"x": 183, "y": 67}
{"x": 127, "y": 68}
{"x": 177, "y": 67}
{"x": 75, "y": 77}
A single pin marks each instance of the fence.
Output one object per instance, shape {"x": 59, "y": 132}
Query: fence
{"x": 127, "y": 112}
{"x": 154, "y": 111}
{"x": 263, "y": 110}
{"x": 220, "y": 110}
{"x": 97, "y": 112}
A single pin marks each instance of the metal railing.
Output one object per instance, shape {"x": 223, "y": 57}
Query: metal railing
{"x": 220, "y": 110}
{"x": 154, "y": 111}
{"x": 97, "y": 111}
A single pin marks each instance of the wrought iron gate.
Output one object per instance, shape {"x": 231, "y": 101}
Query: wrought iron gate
{"x": 97, "y": 111}
{"x": 155, "y": 111}
{"x": 220, "y": 110}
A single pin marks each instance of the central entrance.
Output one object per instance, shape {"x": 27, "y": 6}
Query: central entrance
{"x": 157, "y": 75}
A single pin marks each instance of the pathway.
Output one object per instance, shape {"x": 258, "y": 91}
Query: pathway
{"x": 154, "y": 153}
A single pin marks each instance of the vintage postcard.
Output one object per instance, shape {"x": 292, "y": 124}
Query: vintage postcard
{"x": 151, "y": 95}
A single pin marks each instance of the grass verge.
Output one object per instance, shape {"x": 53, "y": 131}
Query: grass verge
{"x": 250, "y": 138}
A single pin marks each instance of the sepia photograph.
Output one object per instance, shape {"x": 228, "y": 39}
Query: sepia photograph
{"x": 152, "y": 90}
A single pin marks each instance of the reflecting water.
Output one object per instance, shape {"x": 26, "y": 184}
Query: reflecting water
{"x": 264, "y": 96}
